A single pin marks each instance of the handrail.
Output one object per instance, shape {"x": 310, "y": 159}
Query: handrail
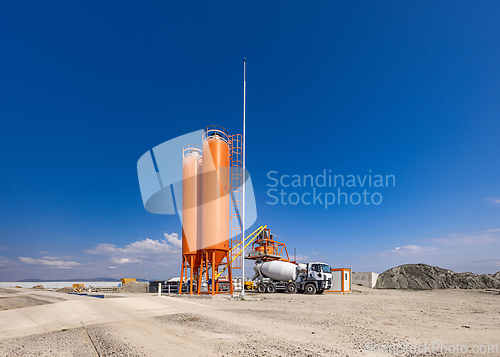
{"x": 215, "y": 132}
{"x": 191, "y": 150}
{"x": 255, "y": 234}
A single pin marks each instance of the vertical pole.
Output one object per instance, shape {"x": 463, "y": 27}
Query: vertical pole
{"x": 159, "y": 289}
{"x": 200, "y": 273}
{"x": 191, "y": 275}
{"x": 182, "y": 275}
{"x": 206, "y": 270}
{"x": 230, "y": 276}
{"x": 198, "y": 280}
{"x": 244, "y": 181}
{"x": 213, "y": 272}
{"x": 350, "y": 279}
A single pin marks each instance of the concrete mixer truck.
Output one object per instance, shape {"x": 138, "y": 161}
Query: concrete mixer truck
{"x": 308, "y": 278}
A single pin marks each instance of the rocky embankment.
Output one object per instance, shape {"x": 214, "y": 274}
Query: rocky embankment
{"x": 426, "y": 277}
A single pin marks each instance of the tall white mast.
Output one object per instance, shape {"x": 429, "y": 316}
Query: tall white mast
{"x": 244, "y": 183}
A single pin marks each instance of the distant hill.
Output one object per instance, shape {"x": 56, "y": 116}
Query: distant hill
{"x": 48, "y": 281}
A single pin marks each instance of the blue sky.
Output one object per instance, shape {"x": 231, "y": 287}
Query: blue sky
{"x": 404, "y": 89}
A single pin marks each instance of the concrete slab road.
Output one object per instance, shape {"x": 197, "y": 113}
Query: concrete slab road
{"x": 65, "y": 311}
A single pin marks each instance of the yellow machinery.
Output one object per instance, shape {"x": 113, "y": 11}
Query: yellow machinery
{"x": 78, "y": 287}
{"x": 249, "y": 285}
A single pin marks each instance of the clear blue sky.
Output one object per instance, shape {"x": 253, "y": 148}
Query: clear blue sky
{"x": 404, "y": 89}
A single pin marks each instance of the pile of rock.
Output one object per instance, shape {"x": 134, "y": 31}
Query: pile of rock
{"x": 66, "y": 290}
{"x": 135, "y": 287}
{"x": 426, "y": 277}
{"x": 38, "y": 287}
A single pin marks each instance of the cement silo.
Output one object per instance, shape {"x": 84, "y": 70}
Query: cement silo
{"x": 191, "y": 214}
{"x": 216, "y": 203}
{"x": 200, "y": 220}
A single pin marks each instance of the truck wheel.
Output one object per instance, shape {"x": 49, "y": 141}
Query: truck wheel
{"x": 291, "y": 288}
{"x": 270, "y": 288}
{"x": 261, "y": 288}
{"x": 310, "y": 289}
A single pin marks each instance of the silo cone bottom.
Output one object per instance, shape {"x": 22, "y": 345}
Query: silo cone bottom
{"x": 217, "y": 256}
{"x": 189, "y": 262}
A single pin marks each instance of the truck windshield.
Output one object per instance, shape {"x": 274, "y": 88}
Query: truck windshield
{"x": 326, "y": 268}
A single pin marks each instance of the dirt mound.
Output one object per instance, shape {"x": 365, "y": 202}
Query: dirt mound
{"x": 38, "y": 287}
{"x": 426, "y": 277}
{"x": 135, "y": 287}
{"x": 66, "y": 290}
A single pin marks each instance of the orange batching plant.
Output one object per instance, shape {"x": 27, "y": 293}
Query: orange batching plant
{"x": 212, "y": 181}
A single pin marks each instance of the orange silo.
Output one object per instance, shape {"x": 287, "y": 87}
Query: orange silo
{"x": 215, "y": 236}
{"x": 200, "y": 221}
{"x": 191, "y": 203}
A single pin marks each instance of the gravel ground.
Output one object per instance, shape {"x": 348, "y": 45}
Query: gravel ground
{"x": 288, "y": 325}
{"x": 81, "y": 342}
{"x": 107, "y": 345}
{"x": 74, "y": 342}
{"x": 254, "y": 343}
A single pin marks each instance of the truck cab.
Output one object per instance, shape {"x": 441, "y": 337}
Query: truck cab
{"x": 314, "y": 278}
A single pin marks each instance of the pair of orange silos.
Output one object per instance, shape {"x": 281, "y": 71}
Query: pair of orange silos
{"x": 206, "y": 207}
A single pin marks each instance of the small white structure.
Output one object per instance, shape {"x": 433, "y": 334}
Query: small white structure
{"x": 368, "y": 279}
{"x": 237, "y": 284}
{"x": 341, "y": 280}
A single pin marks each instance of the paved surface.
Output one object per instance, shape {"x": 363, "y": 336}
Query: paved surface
{"x": 64, "y": 311}
{"x": 17, "y": 298}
